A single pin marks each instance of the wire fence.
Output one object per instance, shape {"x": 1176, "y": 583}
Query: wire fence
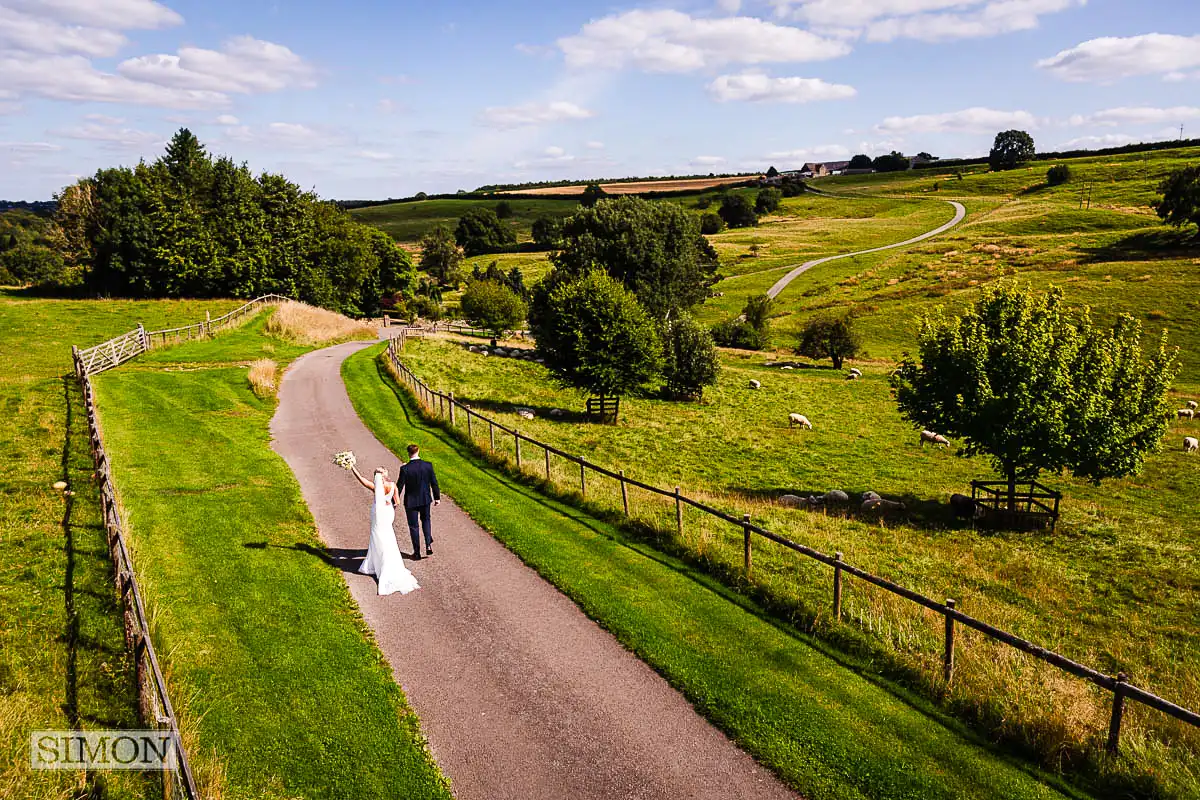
{"x": 561, "y": 468}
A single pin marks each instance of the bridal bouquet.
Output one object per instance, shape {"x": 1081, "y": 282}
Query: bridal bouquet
{"x": 345, "y": 460}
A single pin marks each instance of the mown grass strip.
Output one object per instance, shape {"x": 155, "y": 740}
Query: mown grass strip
{"x": 263, "y": 638}
{"x": 808, "y": 714}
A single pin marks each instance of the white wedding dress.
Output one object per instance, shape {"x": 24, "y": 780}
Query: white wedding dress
{"x": 383, "y": 554}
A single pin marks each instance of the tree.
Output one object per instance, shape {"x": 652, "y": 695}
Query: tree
{"x": 690, "y": 360}
{"x": 711, "y": 222}
{"x": 1010, "y": 149}
{"x": 440, "y": 256}
{"x": 1037, "y": 388}
{"x": 504, "y": 209}
{"x": 737, "y": 211}
{"x": 592, "y": 194}
{"x": 593, "y": 334}
{"x": 421, "y": 196}
{"x": 1180, "y": 203}
{"x": 767, "y": 200}
{"x": 860, "y": 161}
{"x": 32, "y": 264}
{"x": 1058, "y": 175}
{"x": 547, "y": 231}
{"x": 772, "y": 172}
{"x": 894, "y": 161}
{"x": 829, "y": 337}
{"x": 492, "y": 306}
{"x": 924, "y": 156}
{"x": 480, "y": 231}
{"x": 751, "y": 330}
{"x": 655, "y": 249}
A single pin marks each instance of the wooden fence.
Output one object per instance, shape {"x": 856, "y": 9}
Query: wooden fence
{"x": 448, "y": 411}
{"x": 154, "y": 703}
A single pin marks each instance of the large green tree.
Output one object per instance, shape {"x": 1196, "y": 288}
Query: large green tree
{"x": 492, "y": 306}
{"x": 1180, "y": 203}
{"x": 690, "y": 360}
{"x": 654, "y": 248}
{"x": 1010, "y": 149}
{"x": 440, "y": 256}
{"x": 737, "y": 210}
{"x": 1037, "y": 387}
{"x": 829, "y": 337}
{"x": 480, "y": 231}
{"x": 594, "y": 335}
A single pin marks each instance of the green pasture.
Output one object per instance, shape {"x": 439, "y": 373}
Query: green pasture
{"x": 806, "y": 713}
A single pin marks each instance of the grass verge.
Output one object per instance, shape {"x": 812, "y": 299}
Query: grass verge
{"x": 809, "y": 714}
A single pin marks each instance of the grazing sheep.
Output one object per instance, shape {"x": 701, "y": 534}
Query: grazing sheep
{"x": 1186, "y": 413}
{"x": 525, "y": 413}
{"x": 836, "y": 496}
{"x": 870, "y": 496}
{"x": 853, "y": 376}
{"x": 1191, "y": 404}
{"x": 879, "y": 504}
{"x": 787, "y": 366}
{"x": 793, "y": 501}
{"x": 755, "y": 384}
{"x": 934, "y": 439}
{"x": 1191, "y": 444}
{"x": 557, "y": 412}
{"x": 856, "y": 372}
{"x": 964, "y": 507}
{"x": 799, "y": 419}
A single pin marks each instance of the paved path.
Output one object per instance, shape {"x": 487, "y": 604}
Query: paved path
{"x": 959, "y": 212}
{"x": 520, "y": 695}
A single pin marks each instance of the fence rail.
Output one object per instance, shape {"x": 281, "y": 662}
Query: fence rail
{"x": 444, "y": 408}
{"x": 154, "y": 703}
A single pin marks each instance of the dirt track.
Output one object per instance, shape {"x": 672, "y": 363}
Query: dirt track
{"x": 520, "y": 694}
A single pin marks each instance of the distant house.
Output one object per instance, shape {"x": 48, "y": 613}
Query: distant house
{"x": 815, "y": 169}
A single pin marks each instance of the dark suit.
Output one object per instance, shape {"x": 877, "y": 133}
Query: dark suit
{"x": 420, "y": 488}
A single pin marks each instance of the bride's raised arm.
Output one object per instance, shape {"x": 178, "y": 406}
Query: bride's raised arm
{"x": 370, "y": 487}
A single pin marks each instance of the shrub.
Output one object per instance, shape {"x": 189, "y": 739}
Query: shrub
{"x": 1180, "y": 203}
{"x": 480, "y": 231}
{"x": 547, "y": 231}
{"x": 690, "y": 360}
{"x": 1058, "y": 174}
{"x": 829, "y": 337}
{"x": 711, "y": 223}
{"x": 750, "y": 331}
{"x": 504, "y": 209}
{"x": 440, "y": 256}
{"x": 592, "y": 194}
{"x": 704, "y": 201}
{"x": 737, "y": 211}
{"x": 767, "y": 200}
{"x": 493, "y": 306}
{"x": 33, "y": 264}
{"x": 426, "y": 308}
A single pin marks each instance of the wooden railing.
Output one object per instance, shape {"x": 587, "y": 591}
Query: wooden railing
{"x": 456, "y": 416}
{"x": 118, "y": 350}
{"x": 154, "y": 703}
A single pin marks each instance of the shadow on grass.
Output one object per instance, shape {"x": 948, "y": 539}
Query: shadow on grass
{"x": 1151, "y": 245}
{"x": 344, "y": 559}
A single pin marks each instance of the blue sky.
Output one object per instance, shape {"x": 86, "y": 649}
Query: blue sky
{"x": 370, "y": 100}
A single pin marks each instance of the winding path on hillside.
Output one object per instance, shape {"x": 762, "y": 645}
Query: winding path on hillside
{"x": 960, "y": 211}
{"x": 519, "y": 694}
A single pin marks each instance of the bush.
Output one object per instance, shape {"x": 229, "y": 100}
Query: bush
{"x": 504, "y": 209}
{"x": 592, "y": 194}
{"x": 690, "y": 360}
{"x": 492, "y": 306}
{"x": 480, "y": 231}
{"x": 440, "y": 256}
{"x": 1058, "y": 174}
{"x": 32, "y": 264}
{"x": 767, "y": 200}
{"x": 829, "y": 337}
{"x": 710, "y": 223}
{"x": 737, "y": 211}
{"x": 704, "y": 201}
{"x": 1180, "y": 203}
{"x": 750, "y": 331}
{"x": 426, "y": 308}
{"x": 593, "y": 334}
{"x": 547, "y": 231}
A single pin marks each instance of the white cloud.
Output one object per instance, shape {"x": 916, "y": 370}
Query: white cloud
{"x": 969, "y": 120}
{"x": 124, "y": 138}
{"x": 796, "y": 158}
{"x": 730, "y": 6}
{"x": 671, "y": 41}
{"x": 373, "y": 155}
{"x": 532, "y": 114}
{"x": 995, "y": 18}
{"x": 243, "y": 65}
{"x": 288, "y": 135}
{"x": 1111, "y": 58}
{"x": 554, "y": 152}
{"x": 594, "y": 145}
{"x": 74, "y": 78}
{"x": 112, "y": 14}
{"x": 1093, "y": 142}
{"x": 759, "y": 88}
{"x": 387, "y": 106}
{"x": 28, "y": 33}
{"x": 227, "y": 119}
{"x": 551, "y": 156}
{"x": 707, "y": 161}
{"x": 30, "y": 147}
{"x": 1138, "y": 115}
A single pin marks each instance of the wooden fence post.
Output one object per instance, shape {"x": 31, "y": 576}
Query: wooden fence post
{"x": 491, "y": 436}
{"x": 517, "y": 442}
{"x": 746, "y": 541}
{"x": 624, "y": 493}
{"x": 469, "y": 435}
{"x": 948, "y": 658}
{"x": 582, "y": 479}
{"x": 547, "y": 464}
{"x": 1118, "y": 707}
{"x": 451, "y": 409}
{"x": 837, "y": 587}
{"x": 678, "y": 512}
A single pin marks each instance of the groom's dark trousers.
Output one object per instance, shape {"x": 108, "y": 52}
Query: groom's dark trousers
{"x": 420, "y": 487}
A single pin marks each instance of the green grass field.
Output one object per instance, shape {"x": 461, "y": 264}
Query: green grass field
{"x": 824, "y": 728}
{"x": 284, "y": 693}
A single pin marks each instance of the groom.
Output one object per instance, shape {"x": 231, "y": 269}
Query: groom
{"x": 420, "y": 488}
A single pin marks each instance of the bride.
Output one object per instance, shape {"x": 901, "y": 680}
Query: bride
{"x": 383, "y": 555}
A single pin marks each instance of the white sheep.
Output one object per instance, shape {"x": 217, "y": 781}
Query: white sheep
{"x": 755, "y": 384}
{"x": 879, "y": 504}
{"x": 1191, "y": 404}
{"x": 1191, "y": 444}
{"x": 1186, "y": 413}
{"x": 934, "y": 439}
{"x": 856, "y": 372}
{"x": 853, "y": 376}
{"x": 799, "y": 419}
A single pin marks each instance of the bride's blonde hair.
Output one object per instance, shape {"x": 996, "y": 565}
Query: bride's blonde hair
{"x": 382, "y": 471}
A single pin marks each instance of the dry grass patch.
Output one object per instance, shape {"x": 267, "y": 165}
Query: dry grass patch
{"x": 308, "y": 325}
{"x": 263, "y": 377}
